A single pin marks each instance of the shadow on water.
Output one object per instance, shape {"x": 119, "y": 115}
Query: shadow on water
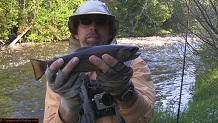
{"x": 23, "y": 97}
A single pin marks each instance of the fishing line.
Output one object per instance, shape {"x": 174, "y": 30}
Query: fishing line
{"x": 184, "y": 56}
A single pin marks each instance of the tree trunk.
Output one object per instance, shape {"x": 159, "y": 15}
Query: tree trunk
{"x": 143, "y": 8}
{"x": 20, "y": 36}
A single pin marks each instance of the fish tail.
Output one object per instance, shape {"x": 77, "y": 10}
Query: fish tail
{"x": 39, "y": 67}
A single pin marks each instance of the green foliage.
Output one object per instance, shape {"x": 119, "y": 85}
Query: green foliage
{"x": 49, "y": 18}
{"x": 141, "y": 17}
{"x": 164, "y": 115}
{"x": 9, "y": 15}
{"x": 179, "y": 16}
{"x": 51, "y": 23}
{"x": 209, "y": 81}
{"x": 137, "y": 17}
{"x": 204, "y": 24}
{"x": 206, "y": 88}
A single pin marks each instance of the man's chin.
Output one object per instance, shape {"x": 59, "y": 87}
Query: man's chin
{"x": 93, "y": 43}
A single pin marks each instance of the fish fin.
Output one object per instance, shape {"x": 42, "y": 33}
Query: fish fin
{"x": 39, "y": 67}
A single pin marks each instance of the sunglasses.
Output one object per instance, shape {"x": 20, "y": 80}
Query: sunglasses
{"x": 88, "y": 21}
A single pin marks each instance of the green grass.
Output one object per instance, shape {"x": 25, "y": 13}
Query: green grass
{"x": 204, "y": 106}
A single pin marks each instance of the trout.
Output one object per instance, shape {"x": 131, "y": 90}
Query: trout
{"x": 120, "y": 52}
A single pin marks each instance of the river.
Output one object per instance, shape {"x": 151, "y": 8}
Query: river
{"x": 23, "y": 97}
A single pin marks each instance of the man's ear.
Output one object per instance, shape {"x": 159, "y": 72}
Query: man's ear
{"x": 76, "y": 36}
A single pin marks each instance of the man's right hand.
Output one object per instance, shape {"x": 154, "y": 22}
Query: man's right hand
{"x": 65, "y": 83}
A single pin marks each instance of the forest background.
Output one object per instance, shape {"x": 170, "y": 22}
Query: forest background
{"x": 46, "y": 21}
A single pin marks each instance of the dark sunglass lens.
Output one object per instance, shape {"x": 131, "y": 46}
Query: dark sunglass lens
{"x": 85, "y": 21}
{"x": 101, "y": 22}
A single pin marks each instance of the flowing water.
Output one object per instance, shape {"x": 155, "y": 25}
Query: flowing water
{"x": 23, "y": 97}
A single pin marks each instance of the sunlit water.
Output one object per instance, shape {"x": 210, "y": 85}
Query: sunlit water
{"x": 23, "y": 97}
{"x": 165, "y": 59}
{"x": 20, "y": 95}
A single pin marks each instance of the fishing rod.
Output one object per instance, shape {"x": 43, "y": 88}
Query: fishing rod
{"x": 184, "y": 56}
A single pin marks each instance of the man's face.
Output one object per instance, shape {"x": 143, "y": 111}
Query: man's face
{"x": 93, "y": 30}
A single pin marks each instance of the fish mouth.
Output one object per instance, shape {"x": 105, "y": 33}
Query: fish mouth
{"x": 134, "y": 52}
{"x": 137, "y": 54}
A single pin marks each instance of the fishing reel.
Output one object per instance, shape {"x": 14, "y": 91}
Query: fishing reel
{"x": 103, "y": 100}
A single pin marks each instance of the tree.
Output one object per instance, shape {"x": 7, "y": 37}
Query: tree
{"x": 48, "y": 19}
{"x": 140, "y": 17}
{"x": 205, "y": 25}
{"x": 9, "y": 15}
{"x": 51, "y": 23}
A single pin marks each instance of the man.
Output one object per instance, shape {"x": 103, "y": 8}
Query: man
{"x": 121, "y": 92}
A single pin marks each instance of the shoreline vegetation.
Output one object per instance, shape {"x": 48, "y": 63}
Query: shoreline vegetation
{"x": 203, "y": 107}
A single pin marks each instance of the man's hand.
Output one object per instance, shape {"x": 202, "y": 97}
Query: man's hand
{"x": 65, "y": 83}
{"x": 105, "y": 63}
{"x": 115, "y": 77}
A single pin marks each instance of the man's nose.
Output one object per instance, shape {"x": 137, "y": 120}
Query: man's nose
{"x": 93, "y": 26}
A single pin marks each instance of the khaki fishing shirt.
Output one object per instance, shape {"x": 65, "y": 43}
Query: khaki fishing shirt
{"x": 140, "y": 112}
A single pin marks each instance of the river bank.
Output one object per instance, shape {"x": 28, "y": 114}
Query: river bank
{"x": 202, "y": 108}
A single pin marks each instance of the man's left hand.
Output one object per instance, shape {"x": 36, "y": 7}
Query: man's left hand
{"x": 115, "y": 76}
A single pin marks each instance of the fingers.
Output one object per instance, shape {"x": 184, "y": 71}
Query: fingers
{"x": 63, "y": 74}
{"x": 99, "y": 63}
{"x": 56, "y": 65}
{"x": 109, "y": 60}
{"x": 51, "y": 72}
{"x": 70, "y": 65}
{"x": 105, "y": 63}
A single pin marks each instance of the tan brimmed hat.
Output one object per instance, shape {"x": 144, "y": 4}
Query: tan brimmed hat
{"x": 89, "y": 8}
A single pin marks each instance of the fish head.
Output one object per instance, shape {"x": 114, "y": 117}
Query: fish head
{"x": 128, "y": 53}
